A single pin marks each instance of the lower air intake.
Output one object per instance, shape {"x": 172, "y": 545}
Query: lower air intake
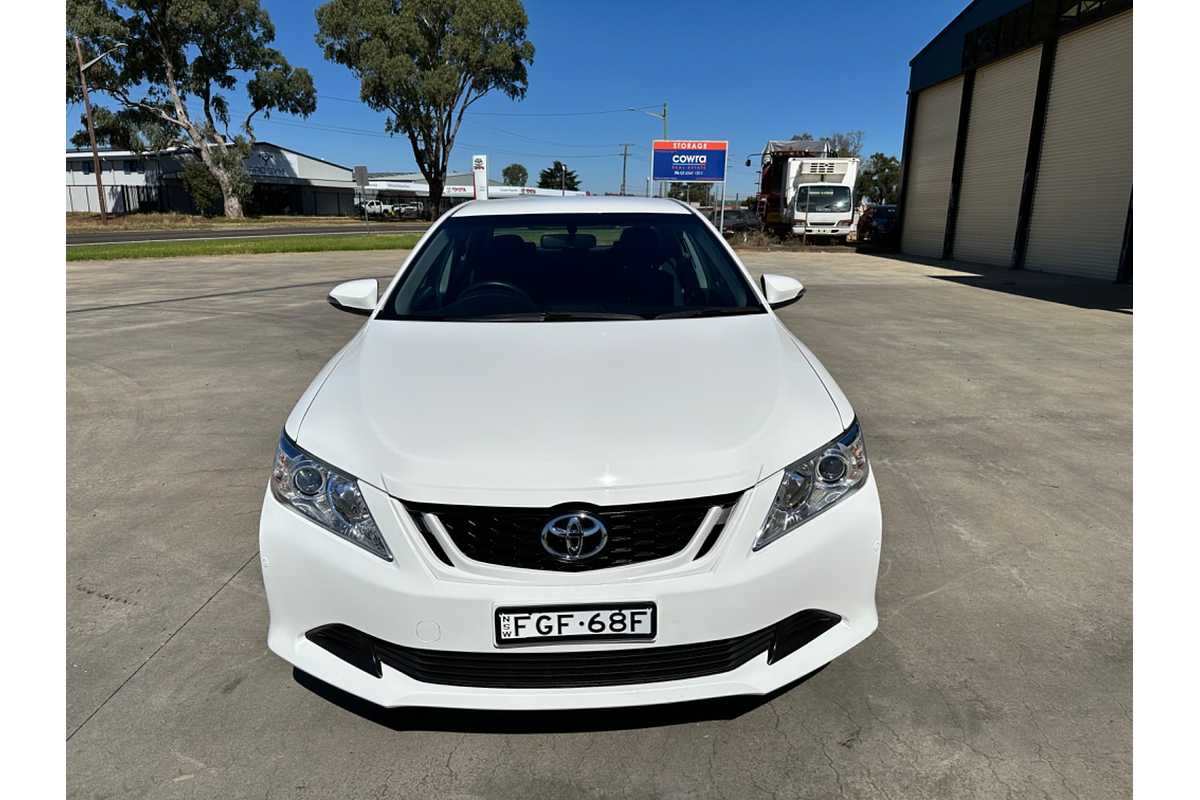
{"x": 525, "y": 670}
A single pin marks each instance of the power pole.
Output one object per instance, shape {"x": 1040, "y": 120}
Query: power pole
{"x": 87, "y": 107}
{"x": 624, "y": 165}
{"x": 666, "y": 188}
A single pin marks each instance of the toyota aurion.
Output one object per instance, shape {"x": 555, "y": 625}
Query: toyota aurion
{"x": 572, "y": 459}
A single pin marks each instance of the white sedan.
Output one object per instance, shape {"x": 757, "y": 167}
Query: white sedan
{"x": 572, "y": 459}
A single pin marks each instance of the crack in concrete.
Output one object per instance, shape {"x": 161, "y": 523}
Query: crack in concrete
{"x": 164, "y": 643}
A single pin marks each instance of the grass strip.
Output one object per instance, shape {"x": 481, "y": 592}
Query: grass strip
{"x": 241, "y": 247}
{"x": 88, "y": 223}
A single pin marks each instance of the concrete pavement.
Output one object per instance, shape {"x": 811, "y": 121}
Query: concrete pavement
{"x": 997, "y": 409}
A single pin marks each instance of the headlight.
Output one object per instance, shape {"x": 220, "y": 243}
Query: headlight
{"x": 326, "y": 496}
{"x": 815, "y": 483}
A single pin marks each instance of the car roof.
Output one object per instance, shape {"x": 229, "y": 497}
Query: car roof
{"x": 571, "y": 205}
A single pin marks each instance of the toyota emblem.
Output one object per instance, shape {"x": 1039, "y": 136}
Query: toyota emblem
{"x": 574, "y": 537}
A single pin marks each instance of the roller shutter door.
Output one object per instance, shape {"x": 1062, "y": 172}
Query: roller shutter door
{"x": 994, "y": 159}
{"x": 327, "y": 203}
{"x": 931, "y": 163}
{"x": 1086, "y": 170}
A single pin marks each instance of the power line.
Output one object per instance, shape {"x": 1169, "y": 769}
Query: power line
{"x": 557, "y": 113}
{"x": 548, "y": 141}
{"x": 363, "y": 131}
{"x": 515, "y": 113}
{"x": 492, "y": 147}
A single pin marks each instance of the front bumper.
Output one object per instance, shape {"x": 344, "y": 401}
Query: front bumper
{"x": 314, "y": 579}
{"x": 821, "y": 230}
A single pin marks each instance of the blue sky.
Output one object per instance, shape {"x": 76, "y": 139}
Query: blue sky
{"x": 746, "y": 72}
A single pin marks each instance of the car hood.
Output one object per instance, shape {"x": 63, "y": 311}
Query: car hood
{"x": 534, "y": 414}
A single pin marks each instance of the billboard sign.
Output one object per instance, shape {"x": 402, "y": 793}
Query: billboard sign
{"x": 678, "y": 160}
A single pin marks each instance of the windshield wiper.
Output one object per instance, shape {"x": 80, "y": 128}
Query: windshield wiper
{"x": 572, "y": 316}
{"x": 541, "y": 316}
{"x": 711, "y": 311}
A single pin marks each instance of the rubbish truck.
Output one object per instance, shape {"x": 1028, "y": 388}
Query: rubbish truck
{"x": 806, "y": 190}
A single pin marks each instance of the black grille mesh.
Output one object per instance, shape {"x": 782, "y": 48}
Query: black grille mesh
{"x": 511, "y": 537}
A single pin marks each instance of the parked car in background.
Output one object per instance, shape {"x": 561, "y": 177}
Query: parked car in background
{"x": 408, "y": 211}
{"x": 738, "y": 220}
{"x": 877, "y": 227}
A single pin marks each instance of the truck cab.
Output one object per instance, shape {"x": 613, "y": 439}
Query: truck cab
{"x": 378, "y": 208}
{"x": 821, "y": 196}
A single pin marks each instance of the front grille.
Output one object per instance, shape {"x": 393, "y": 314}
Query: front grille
{"x": 512, "y": 537}
{"x": 524, "y": 670}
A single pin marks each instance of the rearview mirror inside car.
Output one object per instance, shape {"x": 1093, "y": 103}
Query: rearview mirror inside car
{"x": 357, "y": 297}
{"x": 780, "y": 290}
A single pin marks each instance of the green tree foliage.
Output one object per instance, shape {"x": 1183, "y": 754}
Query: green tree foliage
{"x": 515, "y": 175}
{"x": 125, "y": 129}
{"x": 701, "y": 193}
{"x": 879, "y": 179}
{"x": 202, "y": 186}
{"x": 425, "y": 62}
{"x": 557, "y": 176}
{"x": 847, "y": 144}
{"x": 171, "y": 80}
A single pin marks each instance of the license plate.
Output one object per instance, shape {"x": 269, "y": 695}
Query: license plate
{"x": 590, "y": 623}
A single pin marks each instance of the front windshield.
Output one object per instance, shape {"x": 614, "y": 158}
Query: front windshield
{"x": 563, "y": 267}
{"x": 818, "y": 199}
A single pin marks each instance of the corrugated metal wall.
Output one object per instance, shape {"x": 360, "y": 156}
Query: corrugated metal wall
{"x": 1086, "y": 171}
{"x": 931, "y": 163}
{"x": 994, "y": 161}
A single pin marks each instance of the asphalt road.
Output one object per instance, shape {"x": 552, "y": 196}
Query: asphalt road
{"x": 111, "y": 237}
{"x": 997, "y": 409}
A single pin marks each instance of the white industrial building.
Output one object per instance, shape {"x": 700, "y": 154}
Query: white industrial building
{"x": 1018, "y": 143}
{"x": 284, "y": 182}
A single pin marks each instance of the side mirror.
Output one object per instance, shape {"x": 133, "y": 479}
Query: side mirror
{"x": 780, "y": 290}
{"x": 357, "y": 297}
{"x": 747, "y": 162}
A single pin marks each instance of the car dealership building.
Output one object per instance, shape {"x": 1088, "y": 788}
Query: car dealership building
{"x": 1018, "y": 140}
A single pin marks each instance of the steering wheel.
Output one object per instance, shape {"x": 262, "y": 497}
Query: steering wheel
{"x": 486, "y": 287}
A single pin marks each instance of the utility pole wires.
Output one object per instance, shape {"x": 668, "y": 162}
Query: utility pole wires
{"x": 624, "y": 165}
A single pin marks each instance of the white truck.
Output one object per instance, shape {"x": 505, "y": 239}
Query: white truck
{"x": 807, "y": 191}
{"x": 378, "y": 208}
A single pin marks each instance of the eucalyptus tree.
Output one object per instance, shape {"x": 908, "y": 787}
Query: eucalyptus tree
{"x": 425, "y": 62}
{"x": 174, "y": 76}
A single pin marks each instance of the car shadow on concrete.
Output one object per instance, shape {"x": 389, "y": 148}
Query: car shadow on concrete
{"x": 453, "y": 720}
{"x": 1065, "y": 289}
